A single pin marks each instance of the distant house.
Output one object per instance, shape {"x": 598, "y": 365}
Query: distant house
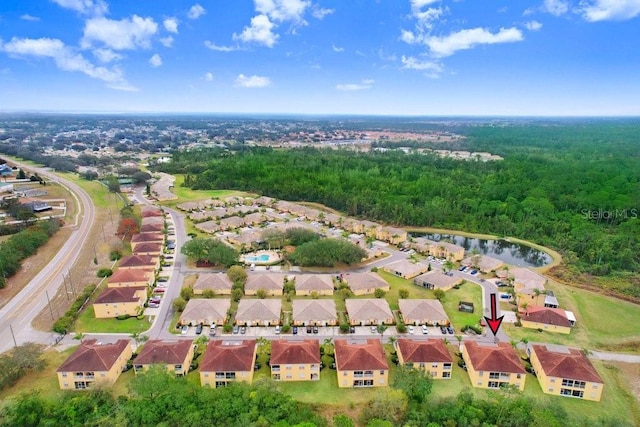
{"x": 483, "y": 263}
{"x": 150, "y": 210}
{"x": 219, "y": 283}
{"x": 392, "y": 235}
{"x": 308, "y": 284}
{"x": 361, "y": 363}
{"x": 263, "y": 312}
{"x": 529, "y": 286}
{"x": 369, "y": 312}
{"x": 114, "y": 302}
{"x": 438, "y": 249}
{"x": 208, "y": 226}
{"x": 365, "y": 283}
{"x": 564, "y": 371}
{"x": 423, "y": 312}
{"x": 547, "y": 319}
{"x": 295, "y": 360}
{"x": 437, "y": 280}
{"x": 94, "y": 364}
{"x": 200, "y": 311}
{"x": 147, "y": 248}
{"x": 133, "y": 278}
{"x": 228, "y": 361}
{"x": 272, "y": 283}
{"x": 320, "y": 312}
{"x": 152, "y": 228}
{"x": 146, "y": 237}
{"x": 492, "y": 365}
{"x": 143, "y": 262}
{"x": 231, "y": 223}
{"x": 176, "y": 356}
{"x": 406, "y": 269}
{"x": 152, "y": 220}
{"x": 431, "y": 356}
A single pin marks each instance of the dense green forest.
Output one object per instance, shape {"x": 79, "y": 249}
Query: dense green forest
{"x": 158, "y": 399}
{"x": 572, "y": 186}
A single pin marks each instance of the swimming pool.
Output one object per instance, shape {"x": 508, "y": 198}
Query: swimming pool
{"x": 259, "y": 258}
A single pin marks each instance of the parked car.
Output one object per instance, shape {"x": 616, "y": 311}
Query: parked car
{"x": 374, "y": 330}
{"x": 308, "y": 329}
{"x": 474, "y": 271}
{"x": 425, "y": 331}
{"x": 461, "y": 268}
{"x": 450, "y": 330}
{"x": 294, "y": 330}
{"x": 315, "y": 329}
{"x": 184, "y": 330}
{"x": 410, "y": 328}
{"x": 443, "y": 330}
{"x": 236, "y": 329}
{"x": 278, "y": 330}
{"x": 352, "y": 329}
{"x": 199, "y": 329}
{"x": 212, "y": 329}
{"x": 243, "y": 330}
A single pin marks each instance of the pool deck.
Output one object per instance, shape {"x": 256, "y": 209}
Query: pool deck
{"x": 272, "y": 258}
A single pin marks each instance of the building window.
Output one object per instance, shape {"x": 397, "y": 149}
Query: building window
{"x": 481, "y": 374}
{"x": 595, "y": 386}
{"x": 446, "y": 366}
{"x": 572, "y": 393}
{"x": 288, "y": 367}
{"x": 64, "y": 375}
{"x": 494, "y": 375}
{"x": 446, "y": 375}
{"x": 493, "y": 384}
{"x": 177, "y": 367}
{"x": 382, "y": 372}
{"x": 434, "y": 365}
{"x": 206, "y": 374}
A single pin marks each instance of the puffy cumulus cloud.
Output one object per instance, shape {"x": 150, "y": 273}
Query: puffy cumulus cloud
{"x": 350, "y": 87}
{"x": 167, "y": 41}
{"x": 283, "y": 10}
{"x": 208, "y": 77}
{"x": 467, "y": 39}
{"x": 431, "y": 69}
{"x": 211, "y": 45}
{"x": 555, "y": 7}
{"x": 126, "y": 33}
{"x": 85, "y": 7}
{"x": 196, "y": 11}
{"x": 66, "y": 59}
{"x": 106, "y": 55}
{"x": 171, "y": 25}
{"x": 410, "y": 37}
{"x": 155, "y": 60}
{"x": 30, "y": 18}
{"x": 260, "y": 31}
{"x": 533, "y": 25}
{"x": 252, "y": 81}
{"x": 610, "y": 10}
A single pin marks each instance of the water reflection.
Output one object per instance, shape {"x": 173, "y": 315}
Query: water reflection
{"x": 508, "y": 252}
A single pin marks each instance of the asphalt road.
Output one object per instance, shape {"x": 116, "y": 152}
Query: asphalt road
{"x": 18, "y": 313}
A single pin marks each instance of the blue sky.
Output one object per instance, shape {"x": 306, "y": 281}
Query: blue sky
{"x": 397, "y": 57}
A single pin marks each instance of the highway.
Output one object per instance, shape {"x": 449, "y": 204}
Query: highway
{"x": 18, "y": 313}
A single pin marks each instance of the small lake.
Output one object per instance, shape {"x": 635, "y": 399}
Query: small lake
{"x": 508, "y": 252}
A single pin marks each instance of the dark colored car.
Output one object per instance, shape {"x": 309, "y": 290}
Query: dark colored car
{"x": 315, "y": 329}
{"x": 199, "y": 329}
{"x": 308, "y": 329}
{"x": 443, "y": 330}
{"x": 450, "y": 330}
{"x": 352, "y": 329}
{"x": 295, "y": 330}
{"x": 236, "y": 329}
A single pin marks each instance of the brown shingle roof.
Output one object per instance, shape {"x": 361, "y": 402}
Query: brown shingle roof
{"x": 494, "y": 358}
{"x": 548, "y": 316}
{"x": 284, "y": 352}
{"x": 258, "y": 310}
{"x": 368, "y": 280}
{"x": 423, "y": 351}
{"x": 116, "y": 295}
{"x": 568, "y": 363}
{"x": 354, "y": 355}
{"x": 147, "y": 237}
{"x": 314, "y": 282}
{"x": 228, "y": 356}
{"x": 430, "y": 309}
{"x": 151, "y": 211}
{"x": 268, "y": 282}
{"x": 151, "y": 228}
{"x": 147, "y": 247}
{"x": 137, "y": 261}
{"x": 213, "y": 281}
{"x": 318, "y": 310}
{"x": 164, "y": 352}
{"x": 130, "y": 276}
{"x": 368, "y": 309}
{"x": 92, "y": 356}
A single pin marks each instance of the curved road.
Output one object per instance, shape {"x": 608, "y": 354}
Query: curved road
{"x": 18, "y": 313}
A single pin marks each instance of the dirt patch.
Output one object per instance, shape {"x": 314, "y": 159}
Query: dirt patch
{"x": 630, "y": 372}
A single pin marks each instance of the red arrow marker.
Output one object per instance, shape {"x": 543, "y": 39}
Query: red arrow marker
{"x": 493, "y": 322}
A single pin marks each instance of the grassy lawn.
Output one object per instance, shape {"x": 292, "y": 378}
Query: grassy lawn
{"x": 99, "y": 194}
{"x": 88, "y": 323}
{"x": 468, "y": 292}
{"x": 186, "y": 194}
{"x": 397, "y": 283}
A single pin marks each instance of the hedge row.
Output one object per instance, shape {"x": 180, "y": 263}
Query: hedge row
{"x": 63, "y": 324}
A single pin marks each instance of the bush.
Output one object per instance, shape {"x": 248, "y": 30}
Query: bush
{"x": 344, "y": 327}
{"x": 285, "y": 328}
{"x": 105, "y": 272}
{"x": 403, "y": 293}
{"x": 228, "y": 327}
{"x": 379, "y": 293}
{"x": 401, "y": 327}
{"x": 123, "y": 317}
{"x": 115, "y": 255}
{"x": 63, "y": 324}
{"x": 179, "y": 304}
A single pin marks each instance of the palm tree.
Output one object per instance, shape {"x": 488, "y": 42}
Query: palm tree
{"x": 459, "y": 338}
{"x": 381, "y": 330}
{"x": 392, "y": 341}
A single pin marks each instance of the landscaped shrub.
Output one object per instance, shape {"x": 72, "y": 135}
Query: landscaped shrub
{"x": 63, "y": 324}
{"x": 115, "y": 255}
{"x": 104, "y": 272}
{"x": 285, "y": 328}
{"x": 344, "y": 327}
{"x": 401, "y": 327}
{"x": 228, "y": 327}
{"x": 123, "y": 317}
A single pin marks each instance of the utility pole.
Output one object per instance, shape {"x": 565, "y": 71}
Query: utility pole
{"x": 15, "y": 344}
{"x": 49, "y": 301}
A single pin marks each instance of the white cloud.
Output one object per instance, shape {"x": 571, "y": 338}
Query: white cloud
{"x": 167, "y": 41}
{"x": 85, "y": 7}
{"x": 337, "y": 48}
{"x": 252, "y": 81}
{"x": 419, "y": 4}
{"x": 610, "y": 10}
{"x": 106, "y": 55}
{"x": 211, "y": 45}
{"x": 466, "y": 39}
{"x": 66, "y": 59}
{"x": 320, "y": 13}
{"x": 409, "y": 37}
{"x": 431, "y": 69}
{"x": 155, "y": 60}
{"x": 196, "y": 11}
{"x": 349, "y": 87}
{"x": 556, "y": 7}
{"x": 30, "y": 18}
{"x": 123, "y": 34}
{"x": 260, "y": 31}
{"x": 208, "y": 77}
{"x": 283, "y": 10}
{"x": 171, "y": 25}
{"x": 533, "y": 25}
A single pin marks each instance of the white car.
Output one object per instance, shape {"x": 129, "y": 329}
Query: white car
{"x": 411, "y": 329}
{"x": 424, "y": 329}
{"x": 278, "y": 330}
{"x": 184, "y": 330}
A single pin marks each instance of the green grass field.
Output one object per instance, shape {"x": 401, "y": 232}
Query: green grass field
{"x": 87, "y": 322}
{"x": 186, "y": 194}
{"x": 468, "y": 292}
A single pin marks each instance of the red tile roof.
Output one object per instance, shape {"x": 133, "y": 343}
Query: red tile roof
{"x": 568, "y": 363}
{"x": 229, "y": 356}
{"x": 164, "y": 352}
{"x": 352, "y": 355}
{"x": 284, "y": 352}
{"x": 151, "y": 211}
{"x": 137, "y": 261}
{"x": 423, "y": 351}
{"x": 147, "y": 237}
{"x": 494, "y": 358}
{"x": 151, "y": 228}
{"x": 94, "y": 356}
{"x": 546, "y": 315}
{"x": 130, "y": 276}
{"x": 117, "y": 295}
{"x": 147, "y": 247}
